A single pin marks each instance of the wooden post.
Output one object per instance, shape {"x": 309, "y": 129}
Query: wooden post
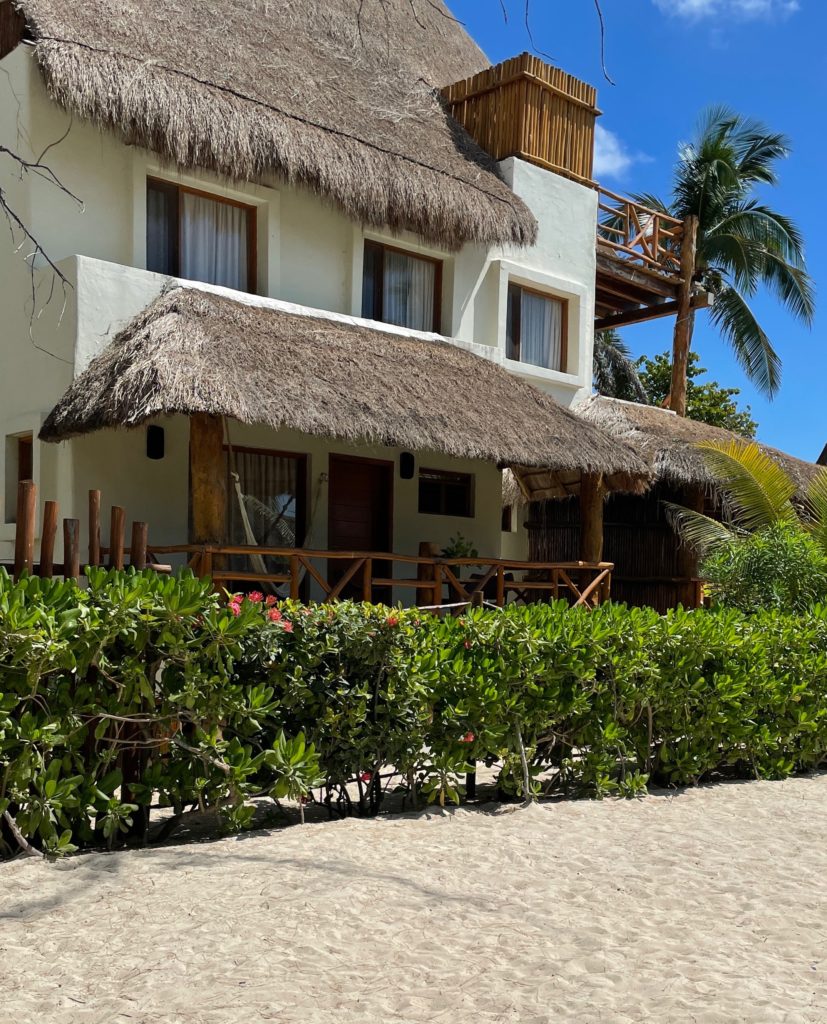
{"x": 94, "y": 527}
{"x": 367, "y": 580}
{"x": 24, "y": 529}
{"x": 117, "y": 534}
{"x": 208, "y": 486}
{"x": 140, "y": 542}
{"x": 425, "y": 572}
{"x": 685, "y": 322}
{"x": 295, "y": 572}
{"x": 47, "y": 540}
{"x": 500, "y": 586}
{"x": 592, "y": 494}
{"x": 71, "y": 549}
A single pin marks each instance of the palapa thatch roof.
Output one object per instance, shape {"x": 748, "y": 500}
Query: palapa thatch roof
{"x": 259, "y": 361}
{"x": 339, "y": 96}
{"x": 669, "y": 443}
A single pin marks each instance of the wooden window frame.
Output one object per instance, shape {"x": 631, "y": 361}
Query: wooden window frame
{"x": 379, "y": 287}
{"x": 449, "y": 474}
{"x": 516, "y": 287}
{"x": 173, "y": 188}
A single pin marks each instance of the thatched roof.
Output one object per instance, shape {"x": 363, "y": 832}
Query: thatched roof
{"x": 668, "y": 443}
{"x": 259, "y": 361}
{"x": 339, "y": 96}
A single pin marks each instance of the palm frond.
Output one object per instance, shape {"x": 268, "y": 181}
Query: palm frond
{"x": 792, "y": 285}
{"x": 614, "y": 372}
{"x": 815, "y": 510}
{"x": 757, "y": 491}
{"x": 697, "y": 531}
{"x": 752, "y": 347}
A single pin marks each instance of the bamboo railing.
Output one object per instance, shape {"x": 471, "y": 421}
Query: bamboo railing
{"x": 526, "y": 108}
{"x": 639, "y": 235}
{"x": 434, "y": 580}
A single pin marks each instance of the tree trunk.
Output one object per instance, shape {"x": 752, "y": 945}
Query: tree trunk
{"x": 592, "y": 494}
{"x": 685, "y": 324}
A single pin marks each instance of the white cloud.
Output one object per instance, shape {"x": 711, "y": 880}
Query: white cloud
{"x": 611, "y": 157}
{"x": 734, "y": 8}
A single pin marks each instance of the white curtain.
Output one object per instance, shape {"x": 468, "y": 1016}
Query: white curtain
{"x": 213, "y": 242}
{"x": 408, "y": 294}
{"x": 541, "y": 331}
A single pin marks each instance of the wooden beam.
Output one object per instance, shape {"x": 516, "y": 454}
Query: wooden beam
{"x": 208, "y": 488}
{"x": 684, "y": 325}
{"x": 621, "y": 269}
{"x": 592, "y": 495}
{"x": 25, "y": 527}
{"x": 638, "y": 316}
{"x": 48, "y": 535}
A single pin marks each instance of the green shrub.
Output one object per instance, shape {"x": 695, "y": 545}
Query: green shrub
{"x": 143, "y": 690}
{"x": 781, "y": 567}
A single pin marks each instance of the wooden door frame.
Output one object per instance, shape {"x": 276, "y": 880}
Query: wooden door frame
{"x": 373, "y": 462}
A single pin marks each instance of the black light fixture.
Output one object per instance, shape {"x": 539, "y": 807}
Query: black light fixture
{"x": 407, "y": 466}
{"x": 155, "y": 443}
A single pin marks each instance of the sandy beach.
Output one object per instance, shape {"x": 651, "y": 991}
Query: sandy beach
{"x": 707, "y": 906}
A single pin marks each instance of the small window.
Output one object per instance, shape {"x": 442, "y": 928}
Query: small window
{"x": 446, "y": 494}
{"x": 399, "y": 288}
{"x": 200, "y": 237}
{"x": 536, "y": 328}
{"x": 19, "y": 466}
{"x": 508, "y": 519}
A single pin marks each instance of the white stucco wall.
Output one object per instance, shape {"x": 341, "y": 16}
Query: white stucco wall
{"x": 309, "y": 253}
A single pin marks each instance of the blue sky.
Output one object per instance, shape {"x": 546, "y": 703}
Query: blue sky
{"x": 669, "y": 60}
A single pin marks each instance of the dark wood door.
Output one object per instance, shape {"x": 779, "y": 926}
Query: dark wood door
{"x": 360, "y": 514}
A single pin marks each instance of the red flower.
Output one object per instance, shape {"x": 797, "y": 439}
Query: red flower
{"x": 366, "y": 776}
{"x": 274, "y": 615}
{"x": 287, "y": 626}
{"x": 235, "y": 608}
{"x": 468, "y": 645}
{"x": 255, "y": 596}
{"x": 304, "y": 800}
{"x": 393, "y": 620}
{"x": 469, "y": 737}
{"x": 270, "y": 600}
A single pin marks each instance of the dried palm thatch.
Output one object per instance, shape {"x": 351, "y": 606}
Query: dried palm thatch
{"x": 196, "y": 351}
{"x": 338, "y": 96}
{"x": 668, "y": 443}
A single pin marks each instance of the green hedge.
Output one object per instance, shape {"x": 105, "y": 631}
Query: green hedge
{"x": 141, "y": 688}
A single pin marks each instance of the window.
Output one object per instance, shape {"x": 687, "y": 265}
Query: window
{"x": 507, "y": 525}
{"x": 199, "y": 237}
{"x": 19, "y": 466}
{"x": 446, "y": 494}
{"x": 398, "y": 288}
{"x": 536, "y": 328}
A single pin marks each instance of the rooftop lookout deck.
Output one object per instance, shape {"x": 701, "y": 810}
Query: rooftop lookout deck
{"x": 526, "y": 108}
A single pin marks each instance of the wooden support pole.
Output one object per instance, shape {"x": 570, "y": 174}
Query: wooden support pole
{"x": 94, "y": 527}
{"x": 48, "y": 535}
{"x": 426, "y": 572}
{"x": 693, "y": 498}
{"x": 71, "y": 549}
{"x": 117, "y": 536}
{"x": 138, "y": 548}
{"x": 367, "y": 580}
{"x": 686, "y": 318}
{"x": 295, "y": 577}
{"x": 24, "y": 527}
{"x": 208, "y": 486}
{"x": 592, "y": 495}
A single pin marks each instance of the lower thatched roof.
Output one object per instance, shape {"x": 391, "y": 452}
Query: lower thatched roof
{"x": 669, "y": 443}
{"x": 340, "y": 96}
{"x": 262, "y": 361}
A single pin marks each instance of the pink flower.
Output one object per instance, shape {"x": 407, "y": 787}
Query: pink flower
{"x": 287, "y": 626}
{"x": 467, "y": 645}
{"x": 270, "y": 600}
{"x": 469, "y": 737}
{"x": 235, "y": 608}
{"x": 304, "y": 800}
{"x": 393, "y": 620}
{"x": 274, "y": 615}
{"x": 255, "y": 596}
{"x": 366, "y": 776}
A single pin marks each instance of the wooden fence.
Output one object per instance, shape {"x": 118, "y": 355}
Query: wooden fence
{"x": 639, "y": 235}
{"x": 526, "y": 108}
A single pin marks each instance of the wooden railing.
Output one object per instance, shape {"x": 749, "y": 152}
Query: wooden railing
{"x": 524, "y": 107}
{"x": 435, "y": 581}
{"x": 638, "y": 234}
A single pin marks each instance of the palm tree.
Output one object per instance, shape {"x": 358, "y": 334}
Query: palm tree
{"x": 742, "y": 244}
{"x": 757, "y": 495}
{"x": 613, "y": 371}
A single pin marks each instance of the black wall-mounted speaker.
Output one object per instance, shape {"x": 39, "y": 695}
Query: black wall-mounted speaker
{"x": 407, "y": 466}
{"x": 155, "y": 443}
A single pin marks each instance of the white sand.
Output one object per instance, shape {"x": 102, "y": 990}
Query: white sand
{"x": 707, "y": 907}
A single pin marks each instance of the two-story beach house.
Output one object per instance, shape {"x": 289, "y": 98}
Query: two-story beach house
{"x": 322, "y": 274}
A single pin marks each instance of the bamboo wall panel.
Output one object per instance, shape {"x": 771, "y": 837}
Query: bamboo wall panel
{"x": 527, "y": 108}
